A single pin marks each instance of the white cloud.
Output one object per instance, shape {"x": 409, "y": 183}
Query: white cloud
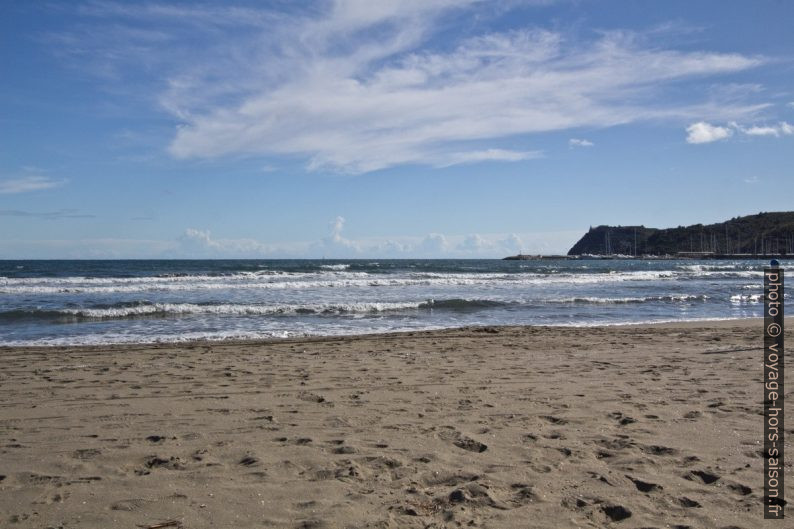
{"x": 702, "y": 132}
{"x": 392, "y": 248}
{"x": 357, "y": 86}
{"x": 200, "y": 238}
{"x": 473, "y": 244}
{"x": 434, "y": 244}
{"x": 337, "y": 225}
{"x": 28, "y": 183}
{"x": 335, "y": 245}
{"x": 200, "y": 243}
{"x": 761, "y": 131}
{"x": 512, "y": 242}
{"x": 575, "y": 142}
{"x": 782, "y": 128}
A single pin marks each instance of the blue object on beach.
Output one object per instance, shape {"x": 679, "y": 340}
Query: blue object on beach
{"x": 774, "y": 263}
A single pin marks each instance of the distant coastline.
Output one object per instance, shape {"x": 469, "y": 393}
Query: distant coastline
{"x": 666, "y": 257}
{"x": 760, "y": 236}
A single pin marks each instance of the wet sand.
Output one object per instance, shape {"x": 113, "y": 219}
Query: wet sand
{"x": 512, "y": 427}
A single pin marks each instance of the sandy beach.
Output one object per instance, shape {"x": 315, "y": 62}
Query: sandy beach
{"x": 530, "y": 427}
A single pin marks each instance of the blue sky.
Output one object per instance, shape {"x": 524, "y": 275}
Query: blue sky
{"x": 352, "y": 128}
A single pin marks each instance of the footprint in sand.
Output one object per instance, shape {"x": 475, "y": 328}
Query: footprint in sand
{"x": 311, "y": 397}
{"x": 248, "y": 461}
{"x": 704, "y": 477}
{"x": 522, "y": 494}
{"x": 152, "y": 462}
{"x": 740, "y": 489}
{"x": 311, "y": 524}
{"x": 446, "y": 478}
{"x": 644, "y": 486}
{"x": 657, "y": 450}
{"x": 607, "y": 446}
{"x": 132, "y": 504}
{"x": 688, "y": 502}
{"x": 540, "y": 468}
{"x": 554, "y": 420}
{"x": 623, "y": 420}
{"x": 473, "y": 495}
{"x": 616, "y": 513}
{"x": 555, "y": 435}
{"x": 462, "y": 441}
{"x": 85, "y": 454}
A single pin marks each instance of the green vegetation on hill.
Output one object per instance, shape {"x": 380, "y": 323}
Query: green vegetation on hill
{"x": 761, "y": 234}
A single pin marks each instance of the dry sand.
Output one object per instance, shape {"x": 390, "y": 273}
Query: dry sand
{"x": 521, "y": 427}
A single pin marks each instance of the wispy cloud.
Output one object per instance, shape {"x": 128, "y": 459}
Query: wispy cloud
{"x": 49, "y": 215}
{"x": 357, "y": 86}
{"x": 356, "y": 115}
{"x": 24, "y": 184}
{"x": 487, "y": 155}
{"x": 575, "y": 142}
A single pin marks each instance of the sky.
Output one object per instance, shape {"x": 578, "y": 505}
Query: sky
{"x": 369, "y": 129}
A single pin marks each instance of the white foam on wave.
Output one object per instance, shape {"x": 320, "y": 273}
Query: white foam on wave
{"x": 262, "y": 275}
{"x": 335, "y": 267}
{"x": 642, "y": 322}
{"x": 715, "y": 267}
{"x": 233, "y": 335}
{"x": 597, "y": 300}
{"x": 747, "y": 298}
{"x": 341, "y": 279}
{"x": 211, "y": 336}
{"x": 234, "y": 309}
{"x": 124, "y": 338}
{"x": 144, "y": 309}
{"x": 719, "y": 270}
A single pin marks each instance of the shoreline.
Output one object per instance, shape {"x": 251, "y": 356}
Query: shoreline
{"x": 491, "y": 427}
{"x": 719, "y": 322}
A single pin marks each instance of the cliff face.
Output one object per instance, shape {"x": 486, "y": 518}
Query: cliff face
{"x": 764, "y": 233}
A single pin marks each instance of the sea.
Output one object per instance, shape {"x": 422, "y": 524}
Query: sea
{"x": 52, "y": 303}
